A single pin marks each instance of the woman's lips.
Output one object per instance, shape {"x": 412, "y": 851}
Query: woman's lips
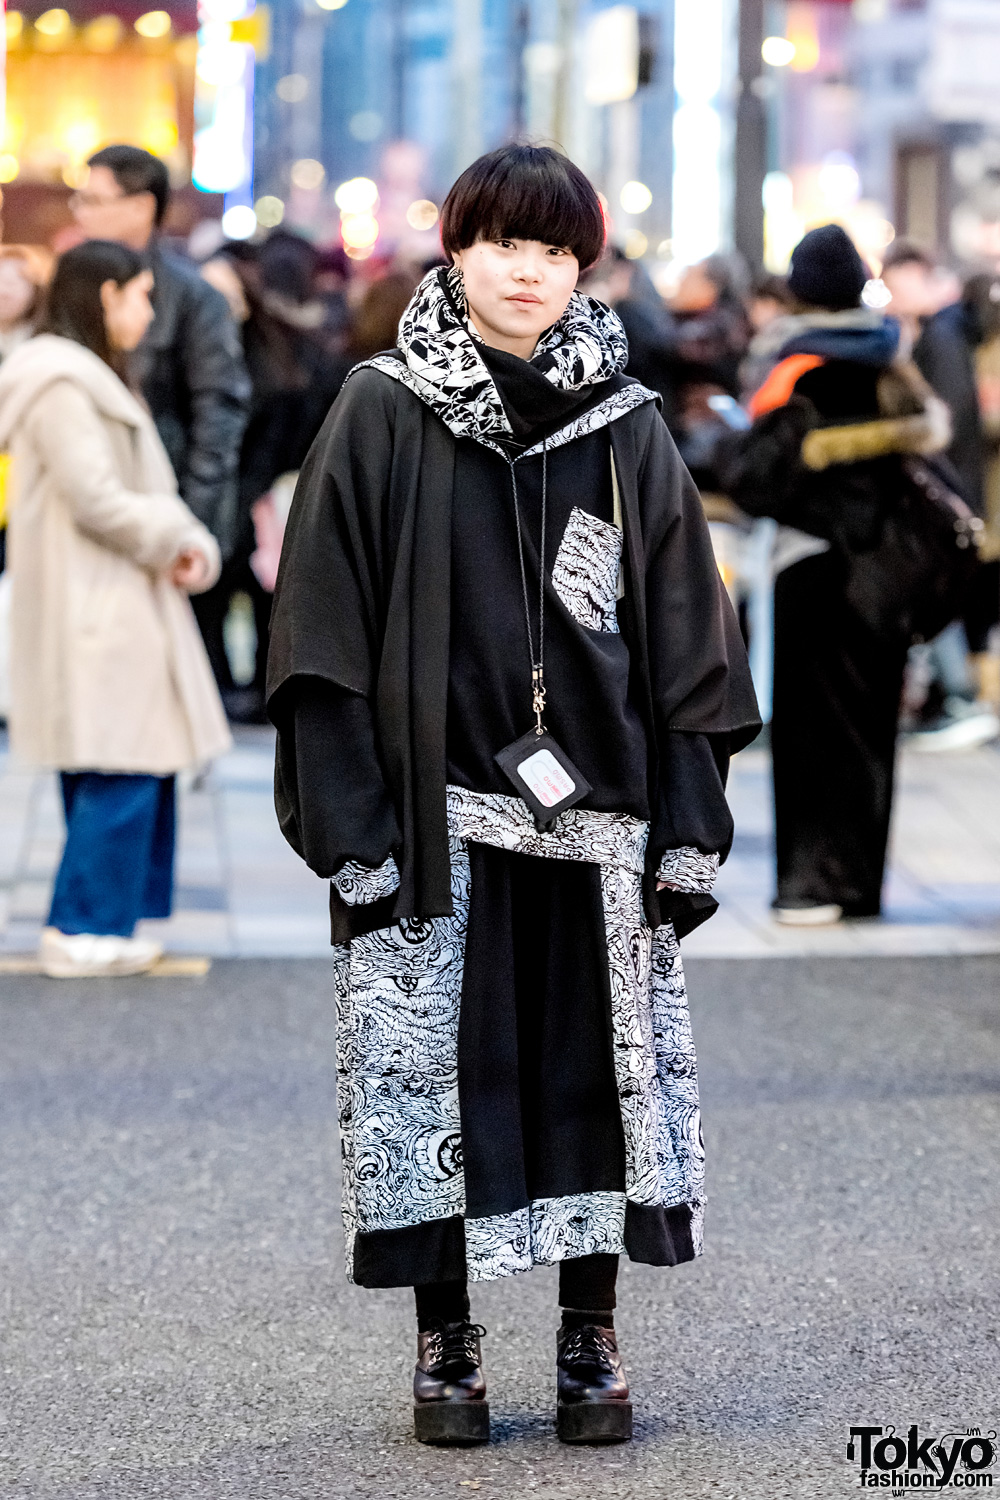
{"x": 527, "y": 301}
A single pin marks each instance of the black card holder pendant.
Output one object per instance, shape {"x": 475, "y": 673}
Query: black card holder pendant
{"x": 543, "y": 776}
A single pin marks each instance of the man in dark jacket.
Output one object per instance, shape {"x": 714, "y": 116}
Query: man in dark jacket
{"x": 945, "y": 337}
{"x": 189, "y": 366}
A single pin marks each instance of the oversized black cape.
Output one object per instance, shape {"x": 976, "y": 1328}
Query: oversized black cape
{"x": 363, "y": 602}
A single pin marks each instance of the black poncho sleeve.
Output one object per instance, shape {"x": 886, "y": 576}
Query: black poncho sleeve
{"x": 361, "y": 612}
{"x": 326, "y": 632}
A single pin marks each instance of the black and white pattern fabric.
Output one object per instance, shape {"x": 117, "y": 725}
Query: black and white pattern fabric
{"x": 398, "y": 998}
{"x": 444, "y": 368}
{"x": 689, "y": 870}
{"x": 585, "y": 572}
{"x": 357, "y": 884}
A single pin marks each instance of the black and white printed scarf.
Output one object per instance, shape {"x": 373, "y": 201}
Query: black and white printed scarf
{"x": 442, "y": 362}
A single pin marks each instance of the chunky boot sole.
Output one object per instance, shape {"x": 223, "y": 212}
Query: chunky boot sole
{"x": 452, "y": 1423}
{"x": 594, "y": 1422}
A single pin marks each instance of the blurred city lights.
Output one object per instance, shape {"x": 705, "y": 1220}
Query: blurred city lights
{"x": 293, "y": 88}
{"x": 154, "y": 23}
{"x": 611, "y": 60}
{"x": 217, "y": 11}
{"x": 366, "y": 125}
{"x": 777, "y": 51}
{"x": 307, "y": 174}
{"x": 221, "y": 64}
{"x": 53, "y": 22}
{"x": 635, "y": 197}
{"x": 103, "y": 34}
{"x": 701, "y": 41}
{"x": 876, "y": 294}
{"x": 802, "y": 32}
{"x": 422, "y": 214}
{"x": 839, "y": 181}
{"x": 9, "y": 167}
{"x": 358, "y": 230}
{"x": 358, "y": 195}
{"x": 636, "y": 244}
{"x": 331, "y": 4}
{"x": 783, "y": 226}
{"x": 14, "y": 25}
{"x": 224, "y": 77}
{"x": 270, "y": 211}
{"x": 239, "y": 222}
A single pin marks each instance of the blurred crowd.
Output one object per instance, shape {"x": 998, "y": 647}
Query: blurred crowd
{"x": 252, "y": 340}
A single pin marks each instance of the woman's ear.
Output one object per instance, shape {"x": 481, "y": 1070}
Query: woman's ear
{"x": 108, "y": 290}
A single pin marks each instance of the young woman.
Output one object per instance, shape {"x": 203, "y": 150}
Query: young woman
{"x": 493, "y": 536}
{"x": 109, "y": 680}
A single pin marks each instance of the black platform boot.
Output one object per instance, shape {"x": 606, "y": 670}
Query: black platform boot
{"x": 594, "y": 1405}
{"x": 449, "y": 1388}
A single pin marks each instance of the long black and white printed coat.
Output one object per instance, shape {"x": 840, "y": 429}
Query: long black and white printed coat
{"x": 363, "y": 621}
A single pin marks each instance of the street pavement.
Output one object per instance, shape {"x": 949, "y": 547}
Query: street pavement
{"x": 177, "y": 1324}
{"x": 241, "y": 892}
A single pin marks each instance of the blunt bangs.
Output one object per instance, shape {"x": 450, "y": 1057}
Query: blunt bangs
{"x": 525, "y": 193}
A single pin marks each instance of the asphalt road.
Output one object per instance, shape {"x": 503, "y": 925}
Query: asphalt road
{"x": 176, "y": 1321}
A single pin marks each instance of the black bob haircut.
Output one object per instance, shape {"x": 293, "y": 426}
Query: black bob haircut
{"x": 525, "y": 193}
{"x": 136, "y": 171}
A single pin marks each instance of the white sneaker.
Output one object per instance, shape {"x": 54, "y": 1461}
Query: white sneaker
{"x": 86, "y": 955}
{"x": 808, "y": 916}
{"x": 962, "y": 726}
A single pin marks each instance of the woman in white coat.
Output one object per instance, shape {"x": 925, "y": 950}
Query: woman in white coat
{"x": 110, "y": 684}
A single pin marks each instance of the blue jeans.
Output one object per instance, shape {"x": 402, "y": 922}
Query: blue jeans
{"x": 118, "y": 863}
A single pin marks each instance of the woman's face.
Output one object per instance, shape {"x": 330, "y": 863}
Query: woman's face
{"x": 128, "y": 311}
{"x": 516, "y": 289}
{"x": 17, "y": 292}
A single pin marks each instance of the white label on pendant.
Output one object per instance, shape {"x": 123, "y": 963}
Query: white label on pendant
{"x": 545, "y": 777}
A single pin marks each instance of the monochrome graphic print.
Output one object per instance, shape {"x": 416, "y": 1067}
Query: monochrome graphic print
{"x": 397, "y": 1069}
{"x": 585, "y": 572}
{"x": 687, "y": 869}
{"x": 359, "y": 884}
{"x": 398, "y": 994}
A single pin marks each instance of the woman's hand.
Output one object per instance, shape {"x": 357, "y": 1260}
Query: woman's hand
{"x": 190, "y": 570}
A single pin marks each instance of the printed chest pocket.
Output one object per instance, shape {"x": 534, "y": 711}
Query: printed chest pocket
{"x": 585, "y": 574}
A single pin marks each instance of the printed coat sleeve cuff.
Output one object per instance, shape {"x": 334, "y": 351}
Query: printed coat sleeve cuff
{"x": 357, "y": 885}
{"x": 688, "y": 870}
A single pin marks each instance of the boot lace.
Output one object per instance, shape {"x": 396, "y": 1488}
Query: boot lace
{"x": 453, "y": 1344}
{"x": 589, "y": 1345}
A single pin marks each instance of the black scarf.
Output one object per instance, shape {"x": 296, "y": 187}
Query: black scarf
{"x": 535, "y": 407}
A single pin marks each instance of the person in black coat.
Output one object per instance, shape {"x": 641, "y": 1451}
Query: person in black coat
{"x": 294, "y": 379}
{"x": 507, "y": 681}
{"x": 834, "y": 423}
{"x": 189, "y": 366}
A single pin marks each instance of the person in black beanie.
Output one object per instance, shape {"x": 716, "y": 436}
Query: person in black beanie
{"x": 827, "y": 271}
{"x": 839, "y": 419}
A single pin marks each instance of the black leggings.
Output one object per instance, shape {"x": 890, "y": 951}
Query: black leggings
{"x": 586, "y": 1284}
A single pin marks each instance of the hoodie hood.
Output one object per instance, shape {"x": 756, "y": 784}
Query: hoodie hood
{"x": 440, "y": 359}
{"x": 859, "y": 334}
{"x": 26, "y": 373}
